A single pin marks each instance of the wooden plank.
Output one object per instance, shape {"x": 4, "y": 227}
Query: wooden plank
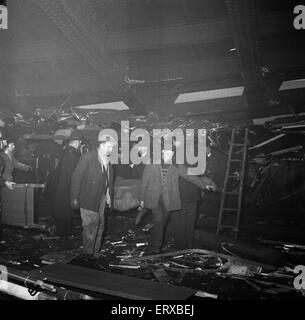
{"x": 28, "y": 185}
{"x": 112, "y": 284}
{"x": 18, "y": 206}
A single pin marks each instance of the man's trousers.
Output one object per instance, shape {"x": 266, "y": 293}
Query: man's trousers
{"x": 93, "y": 224}
{"x": 183, "y": 224}
{"x": 160, "y": 220}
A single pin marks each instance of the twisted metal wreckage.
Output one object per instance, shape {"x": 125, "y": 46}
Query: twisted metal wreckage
{"x": 275, "y": 175}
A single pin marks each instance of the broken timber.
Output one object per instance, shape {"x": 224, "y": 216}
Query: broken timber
{"x": 111, "y": 284}
{"x": 265, "y": 267}
{"x": 250, "y": 251}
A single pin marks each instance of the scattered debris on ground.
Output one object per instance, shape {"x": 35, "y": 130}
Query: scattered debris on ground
{"x": 222, "y": 275}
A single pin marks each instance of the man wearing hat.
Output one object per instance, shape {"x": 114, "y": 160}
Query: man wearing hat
{"x": 92, "y": 191}
{"x": 63, "y": 212}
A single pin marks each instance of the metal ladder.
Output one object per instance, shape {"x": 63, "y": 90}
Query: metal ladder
{"x": 237, "y": 164}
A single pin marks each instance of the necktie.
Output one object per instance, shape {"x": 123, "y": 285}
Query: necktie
{"x": 107, "y": 178}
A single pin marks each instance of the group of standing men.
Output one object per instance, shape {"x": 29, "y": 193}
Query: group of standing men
{"x": 87, "y": 184}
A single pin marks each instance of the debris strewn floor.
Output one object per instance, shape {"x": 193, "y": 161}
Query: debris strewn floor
{"x": 123, "y": 252}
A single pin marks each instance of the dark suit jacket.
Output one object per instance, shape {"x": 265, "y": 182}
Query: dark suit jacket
{"x": 152, "y": 187}
{"x": 9, "y": 165}
{"x": 62, "y": 185}
{"x": 88, "y": 182}
{"x": 189, "y": 192}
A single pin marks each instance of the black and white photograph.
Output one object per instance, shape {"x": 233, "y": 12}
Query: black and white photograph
{"x": 152, "y": 153}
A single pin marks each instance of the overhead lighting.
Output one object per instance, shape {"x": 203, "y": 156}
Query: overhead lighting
{"x": 116, "y": 105}
{"x": 210, "y": 94}
{"x": 292, "y": 84}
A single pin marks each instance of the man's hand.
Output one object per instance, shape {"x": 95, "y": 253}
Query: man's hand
{"x": 210, "y": 184}
{"x": 10, "y": 185}
{"x": 211, "y": 188}
{"x": 74, "y": 204}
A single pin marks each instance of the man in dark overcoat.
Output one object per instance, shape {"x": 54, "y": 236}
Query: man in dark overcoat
{"x": 63, "y": 213}
{"x": 92, "y": 191}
